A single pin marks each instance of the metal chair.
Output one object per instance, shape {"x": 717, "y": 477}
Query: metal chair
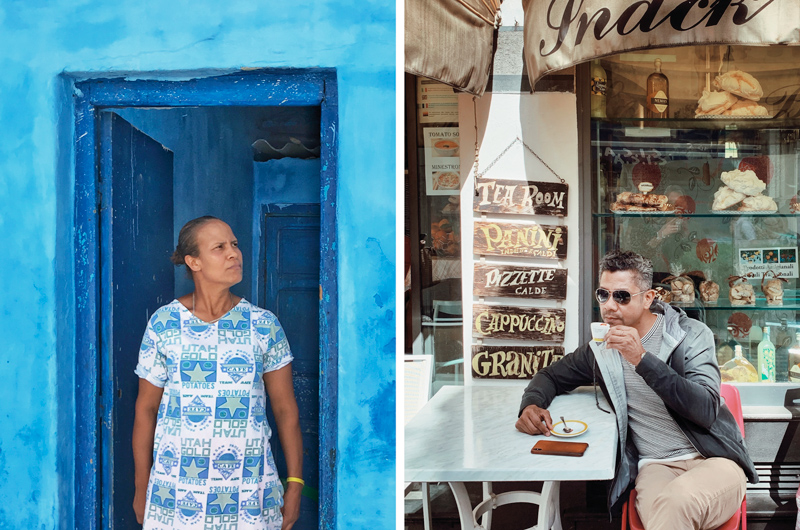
{"x": 739, "y": 520}
{"x": 453, "y": 318}
{"x": 417, "y": 377}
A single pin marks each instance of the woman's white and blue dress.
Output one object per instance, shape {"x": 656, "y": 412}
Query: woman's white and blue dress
{"x": 212, "y": 462}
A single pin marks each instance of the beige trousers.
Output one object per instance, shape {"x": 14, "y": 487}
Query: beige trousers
{"x": 698, "y": 494}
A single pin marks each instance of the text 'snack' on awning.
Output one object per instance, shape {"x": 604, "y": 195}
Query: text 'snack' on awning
{"x": 562, "y": 33}
{"x": 451, "y": 41}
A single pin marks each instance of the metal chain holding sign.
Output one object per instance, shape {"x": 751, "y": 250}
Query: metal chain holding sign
{"x": 512, "y": 144}
{"x": 479, "y": 174}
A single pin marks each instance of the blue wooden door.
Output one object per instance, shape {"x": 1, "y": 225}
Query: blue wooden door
{"x": 291, "y": 235}
{"x": 136, "y": 278}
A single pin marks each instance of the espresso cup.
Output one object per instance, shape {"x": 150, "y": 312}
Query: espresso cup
{"x": 599, "y": 330}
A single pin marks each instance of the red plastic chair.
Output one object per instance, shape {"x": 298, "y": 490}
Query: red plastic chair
{"x": 629, "y": 514}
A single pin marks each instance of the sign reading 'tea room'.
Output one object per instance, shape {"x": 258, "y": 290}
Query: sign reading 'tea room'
{"x": 520, "y": 197}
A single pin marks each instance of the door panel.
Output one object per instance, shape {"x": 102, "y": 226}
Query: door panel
{"x": 292, "y": 293}
{"x": 136, "y": 278}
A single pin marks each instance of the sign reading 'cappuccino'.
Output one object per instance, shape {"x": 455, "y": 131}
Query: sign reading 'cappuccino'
{"x": 508, "y": 362}
{"x": 522, "y": 323}
{"x": 521, "y": 197}
{"x": 520, "y": 239}
{"x": 521, "y": 282}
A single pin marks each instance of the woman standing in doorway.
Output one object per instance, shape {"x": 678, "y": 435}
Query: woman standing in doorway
{"x": 200, "y": 437}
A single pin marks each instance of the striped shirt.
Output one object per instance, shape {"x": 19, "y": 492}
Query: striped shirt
{"x": 653, "y": 431}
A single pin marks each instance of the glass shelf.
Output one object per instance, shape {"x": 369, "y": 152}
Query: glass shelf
{"x": 716, "y": 123}
{"x": 721, "y": 214}
{"x": 725, "y": 305}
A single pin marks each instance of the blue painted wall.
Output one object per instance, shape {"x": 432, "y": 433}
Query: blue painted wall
{"x": 43, "y": 47}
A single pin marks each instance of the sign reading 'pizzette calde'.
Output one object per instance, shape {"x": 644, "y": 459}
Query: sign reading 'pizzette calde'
{"x": 510, "y": 362}
{"x": 520, "y": 282}
{"x": 521, "y": 197}
{"x": 522, "y": 323}
{"x": 520, "y": 239}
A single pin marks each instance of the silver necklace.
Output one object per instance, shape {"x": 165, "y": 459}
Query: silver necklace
{"x": 230, "y": 301}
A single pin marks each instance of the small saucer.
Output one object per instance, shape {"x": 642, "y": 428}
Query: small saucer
{"x": 578, "y": 427}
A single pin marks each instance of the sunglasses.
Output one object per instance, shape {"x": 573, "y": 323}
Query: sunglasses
{"x": 620, "y": 297}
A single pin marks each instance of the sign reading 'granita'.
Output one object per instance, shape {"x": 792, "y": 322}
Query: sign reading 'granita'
{"x": 509, "y": 362}
{"x": 520, "y": 239}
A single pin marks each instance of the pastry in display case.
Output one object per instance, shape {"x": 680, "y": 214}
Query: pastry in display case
{"x": 741, "y": 291}
{"x": 709, "y": 289}
{"x": 773, "y": 288}
{"x": 713, "y": 203}
{"x": 681, "y": 284}
{"x": 738, "y": 96}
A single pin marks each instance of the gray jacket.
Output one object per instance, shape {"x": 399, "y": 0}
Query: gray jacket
{"x": 688, "y": 383}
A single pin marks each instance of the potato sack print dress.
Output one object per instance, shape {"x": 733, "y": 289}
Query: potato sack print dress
{"x": 212, "y": 462}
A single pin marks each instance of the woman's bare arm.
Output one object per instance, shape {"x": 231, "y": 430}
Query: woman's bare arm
{"x": 144, "y": 430}
{"x": 284, "y": 407}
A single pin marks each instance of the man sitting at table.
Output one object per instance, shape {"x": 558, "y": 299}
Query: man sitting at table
{"x": 658, "y": 369}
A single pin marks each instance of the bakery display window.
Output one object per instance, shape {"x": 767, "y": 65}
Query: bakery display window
{"x": 695, "y": 163}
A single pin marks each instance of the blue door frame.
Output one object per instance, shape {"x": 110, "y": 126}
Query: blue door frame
{"x": 259, "y": 88}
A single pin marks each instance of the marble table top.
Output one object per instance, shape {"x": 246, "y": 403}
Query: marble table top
{"x": 467, "y": 434}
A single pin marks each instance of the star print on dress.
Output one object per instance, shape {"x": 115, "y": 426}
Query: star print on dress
{"x": 212, "y": 463}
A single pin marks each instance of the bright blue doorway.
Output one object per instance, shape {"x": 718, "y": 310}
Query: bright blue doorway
{"x": 100, "y": 453}
{"x": 136, "y": 279}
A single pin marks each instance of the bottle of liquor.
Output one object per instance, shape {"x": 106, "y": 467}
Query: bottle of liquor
{"x": 599, "y": 85}
{"x": 738, "y": 369}
{"x": 657, "y": 104}
{"x": 794, "y": 360}
{"x": 766, "y": 359}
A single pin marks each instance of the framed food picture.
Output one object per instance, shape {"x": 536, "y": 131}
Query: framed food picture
{"x": 442, "y": 162}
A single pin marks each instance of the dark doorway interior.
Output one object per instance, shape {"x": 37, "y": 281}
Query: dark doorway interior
{"x": 161, "y": 167}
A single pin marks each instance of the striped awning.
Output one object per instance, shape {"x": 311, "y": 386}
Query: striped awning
{"x": 451, "y": 41}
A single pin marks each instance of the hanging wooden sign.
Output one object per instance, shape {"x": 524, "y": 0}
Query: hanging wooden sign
{"x": 521, "y": 197}
{"x": 519, "y": 281}
{"x": 512, "y": 362}
{"x": 520, "y": 239}
{"x": 521, "y": 323}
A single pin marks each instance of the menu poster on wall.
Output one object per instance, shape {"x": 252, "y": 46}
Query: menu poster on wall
{"x": 518, "y": 323}
{"x": 436, "y": 102}
{"x": 512, "y": 362}
{"x": 780, "y": 260}
{"x": 442, "y": 162}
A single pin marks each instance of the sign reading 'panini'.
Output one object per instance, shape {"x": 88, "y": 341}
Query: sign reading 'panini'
{"x": 521, "y": 282}
{"x": 521, "y": 197}
{"x": 520, "y": 239}
{"x": 510, "y": 362}
{"x": 522, "y": 323}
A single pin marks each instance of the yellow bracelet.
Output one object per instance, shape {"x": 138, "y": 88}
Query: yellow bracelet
{"x": 295, "y": 479}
